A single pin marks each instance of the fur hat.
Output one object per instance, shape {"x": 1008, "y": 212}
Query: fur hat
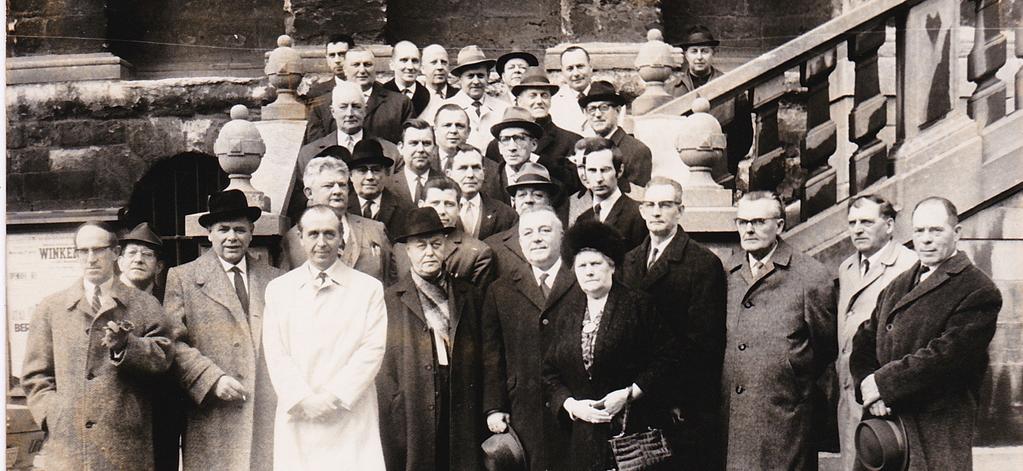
{"x": 590, "y": 234}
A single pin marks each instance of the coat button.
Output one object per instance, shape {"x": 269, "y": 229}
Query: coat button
{"x": 747, "y": 304}
{"x": 87, "y": 330}
{"x": 429, "y": 367}
{"x": 742, "y": 346}
{"x": 888, "y": 327}
{"x": 545, "y": 321}
{"x": 90, "y": 376}
{"x": 739, "y": 389}
{"x": 237, "y": 344}
{"x": 89, "y": 424}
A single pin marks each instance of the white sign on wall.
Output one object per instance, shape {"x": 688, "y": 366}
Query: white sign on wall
{"x": 38, "y": 265}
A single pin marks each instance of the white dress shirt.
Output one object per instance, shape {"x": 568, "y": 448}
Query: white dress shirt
{"x": 410, "y": 180}
{"x": 552, "y": 273}
{"x": 606, "y": 204}
{"x": 470, "y": 214}
{"x": 764, "y": 261}
{"x": 105, "y": 300}
{"x": 374, "y": 209}
{"x": 348, "y": 141}
{"x": 242, "y": 265}
{"x": 660, "y": 248}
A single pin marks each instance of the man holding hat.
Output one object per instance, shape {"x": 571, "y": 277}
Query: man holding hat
{"x": 365, "y": 246}
{"x": 369, "y": 197}
{"x": 431, "y": 380}
{"x": 532, "y": 186}
{"x": 512, "y": 69}
{"x": 473, "y": 72}
{"x": 218, "y": 359}
{"x": 140, "y": 263}
{"x": 534, "y": 95}
{"x": 699, "y": 47}
{"x": 604, "y": 107}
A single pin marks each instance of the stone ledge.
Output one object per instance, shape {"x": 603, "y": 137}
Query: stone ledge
{"x": 66, "y": 68}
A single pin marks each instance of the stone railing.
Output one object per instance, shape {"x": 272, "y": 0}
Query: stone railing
{"x": 790, "y": 90}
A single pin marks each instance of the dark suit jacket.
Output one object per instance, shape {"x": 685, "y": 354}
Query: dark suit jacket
{"x": 470, "y": 259}
{"x": 496, "y": 216}
{"x": 638, "y": 159}
{"x": 407, "y": 383}
{"x": 398, "y": 186}
{"x": 507, "y": 251}
{"x": 420, "y": 97}
{"x": 392, "y": 211}
{"x": 687, "y": 285}
{"x": 369, "y": 251}
{"x": 633, "y": 346}
{"x": 385, "y": 112}
{"x": 927, "y": 349}
{"x": 739, "y": 131}
{"x": 624, "y": 217}
{"x": 516, "y": 320}
{"x": 553, "y": 147}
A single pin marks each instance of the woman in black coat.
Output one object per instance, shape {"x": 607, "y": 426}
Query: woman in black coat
{"x": 609, "y": 350}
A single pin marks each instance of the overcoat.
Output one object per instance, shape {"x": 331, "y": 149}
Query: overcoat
{"x": 397, "y": 184}
{"x": 633, "y": 346}
{"x": 367, "y": 249}
{"x": 220, "y": 339}
{"x": 624, "y": 216}
{"x": 516, "y": 323}
{"x": 97, "y": 411}
{"x": 780, "y": 337}
{"x": 857, "y": 298}
{"x": 409, "y": 402}
{"x": 507, "y": 251}
{"x": 392, "y": 211}
{"x": 638, "y": 158}
{"x": 927, "y": 349}
{"x": 496, "y": 216}
{"x": 687, "y": 285}
{"x": 470, "y": 259}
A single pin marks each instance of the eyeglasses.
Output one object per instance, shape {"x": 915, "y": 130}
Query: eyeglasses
{"x": 94, "y": 251}
{"x": 758, "y": 223}
{"x": 516, "y": 138}
{"x": 603, "y": 108}
{"x": 659, "y": 204}
{"x": 147, "y": 255}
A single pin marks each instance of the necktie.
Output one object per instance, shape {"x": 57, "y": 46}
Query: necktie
{"x": 96, "y": 304}
{"x": 469, "y": 217}
{"x": 653, "y": 258}
{"x": 419, "y": 189}
{"x": 866, "y": 268}
{"x": 544, "y": 290}
{"x": 476, "y": 104}
{"x": 322, "y": 279}
{"x": 408, "y": 92}
{"x": 756, "y": 268}
{"x": 367, "y": 209}
{"x": 239, "y": 289}
{"x": 920, "y": 274}
{"x": 596, "y": 212}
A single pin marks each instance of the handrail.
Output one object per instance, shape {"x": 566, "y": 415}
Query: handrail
{"x": 793, "y": 53}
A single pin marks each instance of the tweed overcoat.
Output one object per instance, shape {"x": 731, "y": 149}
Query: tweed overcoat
{"x": 780, "y": 337}
{"x": 633, "y": 346}
{"x": 516, "y": 323}
{"x": 687, "y": 284}
{"x": 218, "y": 340}
{"x": 97, "y": 411}
{"x": 857, "y": 297}
{"x": 406, "y": 384}
{"x": 927, "y": 349}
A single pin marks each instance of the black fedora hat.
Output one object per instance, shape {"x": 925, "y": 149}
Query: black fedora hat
{"x": 230, "y": 204}
{"x": 368, "y": 152}
{"x": 882, "y": 445}
{"x": 142, "y": 234}
{"x": 601, "y": 90}
{"x": 423, "y": 222}
{"x": 517, "y": 117}
{"x": 504, "y": 452}
{"x": 534, "y": 78}
{"x": 535, "y": 175}
{"x": 698, "y": 35}
{"x": 530, "y": 59}
{"x": 337, "y": 152}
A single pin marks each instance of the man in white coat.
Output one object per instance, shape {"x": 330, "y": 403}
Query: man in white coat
{"x": 324, "y": 333}
{"x": 861, "y": 277}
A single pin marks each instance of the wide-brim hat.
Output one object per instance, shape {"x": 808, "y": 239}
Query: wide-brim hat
{"x": 591, "y": 234}
{"x": 423, "y": 222}
{"x": 516, "y": 54}
{"x": 882, "y": 444}
{"x": 470, "y": 56}
{"x": 517, "y": 117}
{"x": 504, "y": 452}
{"x": 601, "y": 90}
{"x": 226, "y": 205}
{"x": 698, "y": 36}
{"x": 535, "y": 78}
{"x": 534, "y": 175}
{"x": 142, "y": 234}
{"x": 335, "y": 151}
{"x": 368, "y": 152}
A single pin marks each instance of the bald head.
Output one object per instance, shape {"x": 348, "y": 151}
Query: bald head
{"x": 405, "y": 63}
{"x": 348, "y": 107}
{"x": 435, "y": 65}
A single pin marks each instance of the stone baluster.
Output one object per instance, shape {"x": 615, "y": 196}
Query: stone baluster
{"x": 284, "y": 71}
{"x": 1019, "y": 73}
{"x": 766, "y": 170}
{"x": 870, "y": 111}
{"x": 653, "y": 62}
{"x": 926, "y": 53}
{"x": 805, "y": 124}
{"x": 987, "y": 104}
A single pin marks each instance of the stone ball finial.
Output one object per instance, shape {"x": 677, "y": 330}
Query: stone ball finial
{"x": 284, "y": 59}
{"x": 284, "y": 41}
{"x": 239, "y": 112}
{"x": 239, "y": 137}
{"x": 654, "y": 35}
{"x": 701, "y": 105}
{"x": 654, "y": 52}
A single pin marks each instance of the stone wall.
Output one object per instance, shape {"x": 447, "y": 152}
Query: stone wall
{"x": 55, "y": 27}
{"x": 746, "y": 25}
{"x": 312, "y": 21}
{"x": 85, "y": 144}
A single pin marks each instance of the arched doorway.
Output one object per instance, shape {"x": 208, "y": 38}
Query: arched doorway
{"x": 173, "y": 188}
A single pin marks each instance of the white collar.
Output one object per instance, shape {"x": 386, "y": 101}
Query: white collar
{"x": 362, "y": 201}
{"x": 551, "y": 272}
{"x": 104, "y": 287}
{"x": 765, "y": 260}
{"x": 412, "y": 177}
{"x": 333, "y": 272}
{"x": 615, "y": 195}
{"x": 875, "y": 257}
{"x": 338, "y": 81}
{"x": 664, "y": 244}
{"x": 402, "y": 90}
{"x": 367, "y": 93}
{"x": 357, "y": 137}
{"x": 242, "y": 265}
{"x": 608, "y": 136}
{"x": 477, "y": 200}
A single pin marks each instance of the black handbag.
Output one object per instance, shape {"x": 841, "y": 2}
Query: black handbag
{"x": 638, "y": 451}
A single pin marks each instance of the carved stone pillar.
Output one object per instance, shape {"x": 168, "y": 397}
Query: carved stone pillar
{"x": 870, "y": 111}
{"x": 653, "y": 62}
{"x": 987, "y": 104}
{"x": 1019, "y": 73}
{"x": 766, "y": 170}
{"x": 805, "y": 123}
{"x": 926, "y": 52}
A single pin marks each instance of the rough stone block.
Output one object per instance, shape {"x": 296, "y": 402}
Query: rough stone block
{"x": 75, "y": 185}
{"x": 314, "y": 20}
{"x": 77, "y": 133}
{"x": 15, "y": 189}
{"x": 155, "y": 138}
{"x": 41, "y": 185}
{"x": 26, "y": 8}
{"x": 32, "y": 159}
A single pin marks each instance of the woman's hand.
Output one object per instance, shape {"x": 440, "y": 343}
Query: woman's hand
{"x": 585, "y": 411}
{"x": 615, "y": 401}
